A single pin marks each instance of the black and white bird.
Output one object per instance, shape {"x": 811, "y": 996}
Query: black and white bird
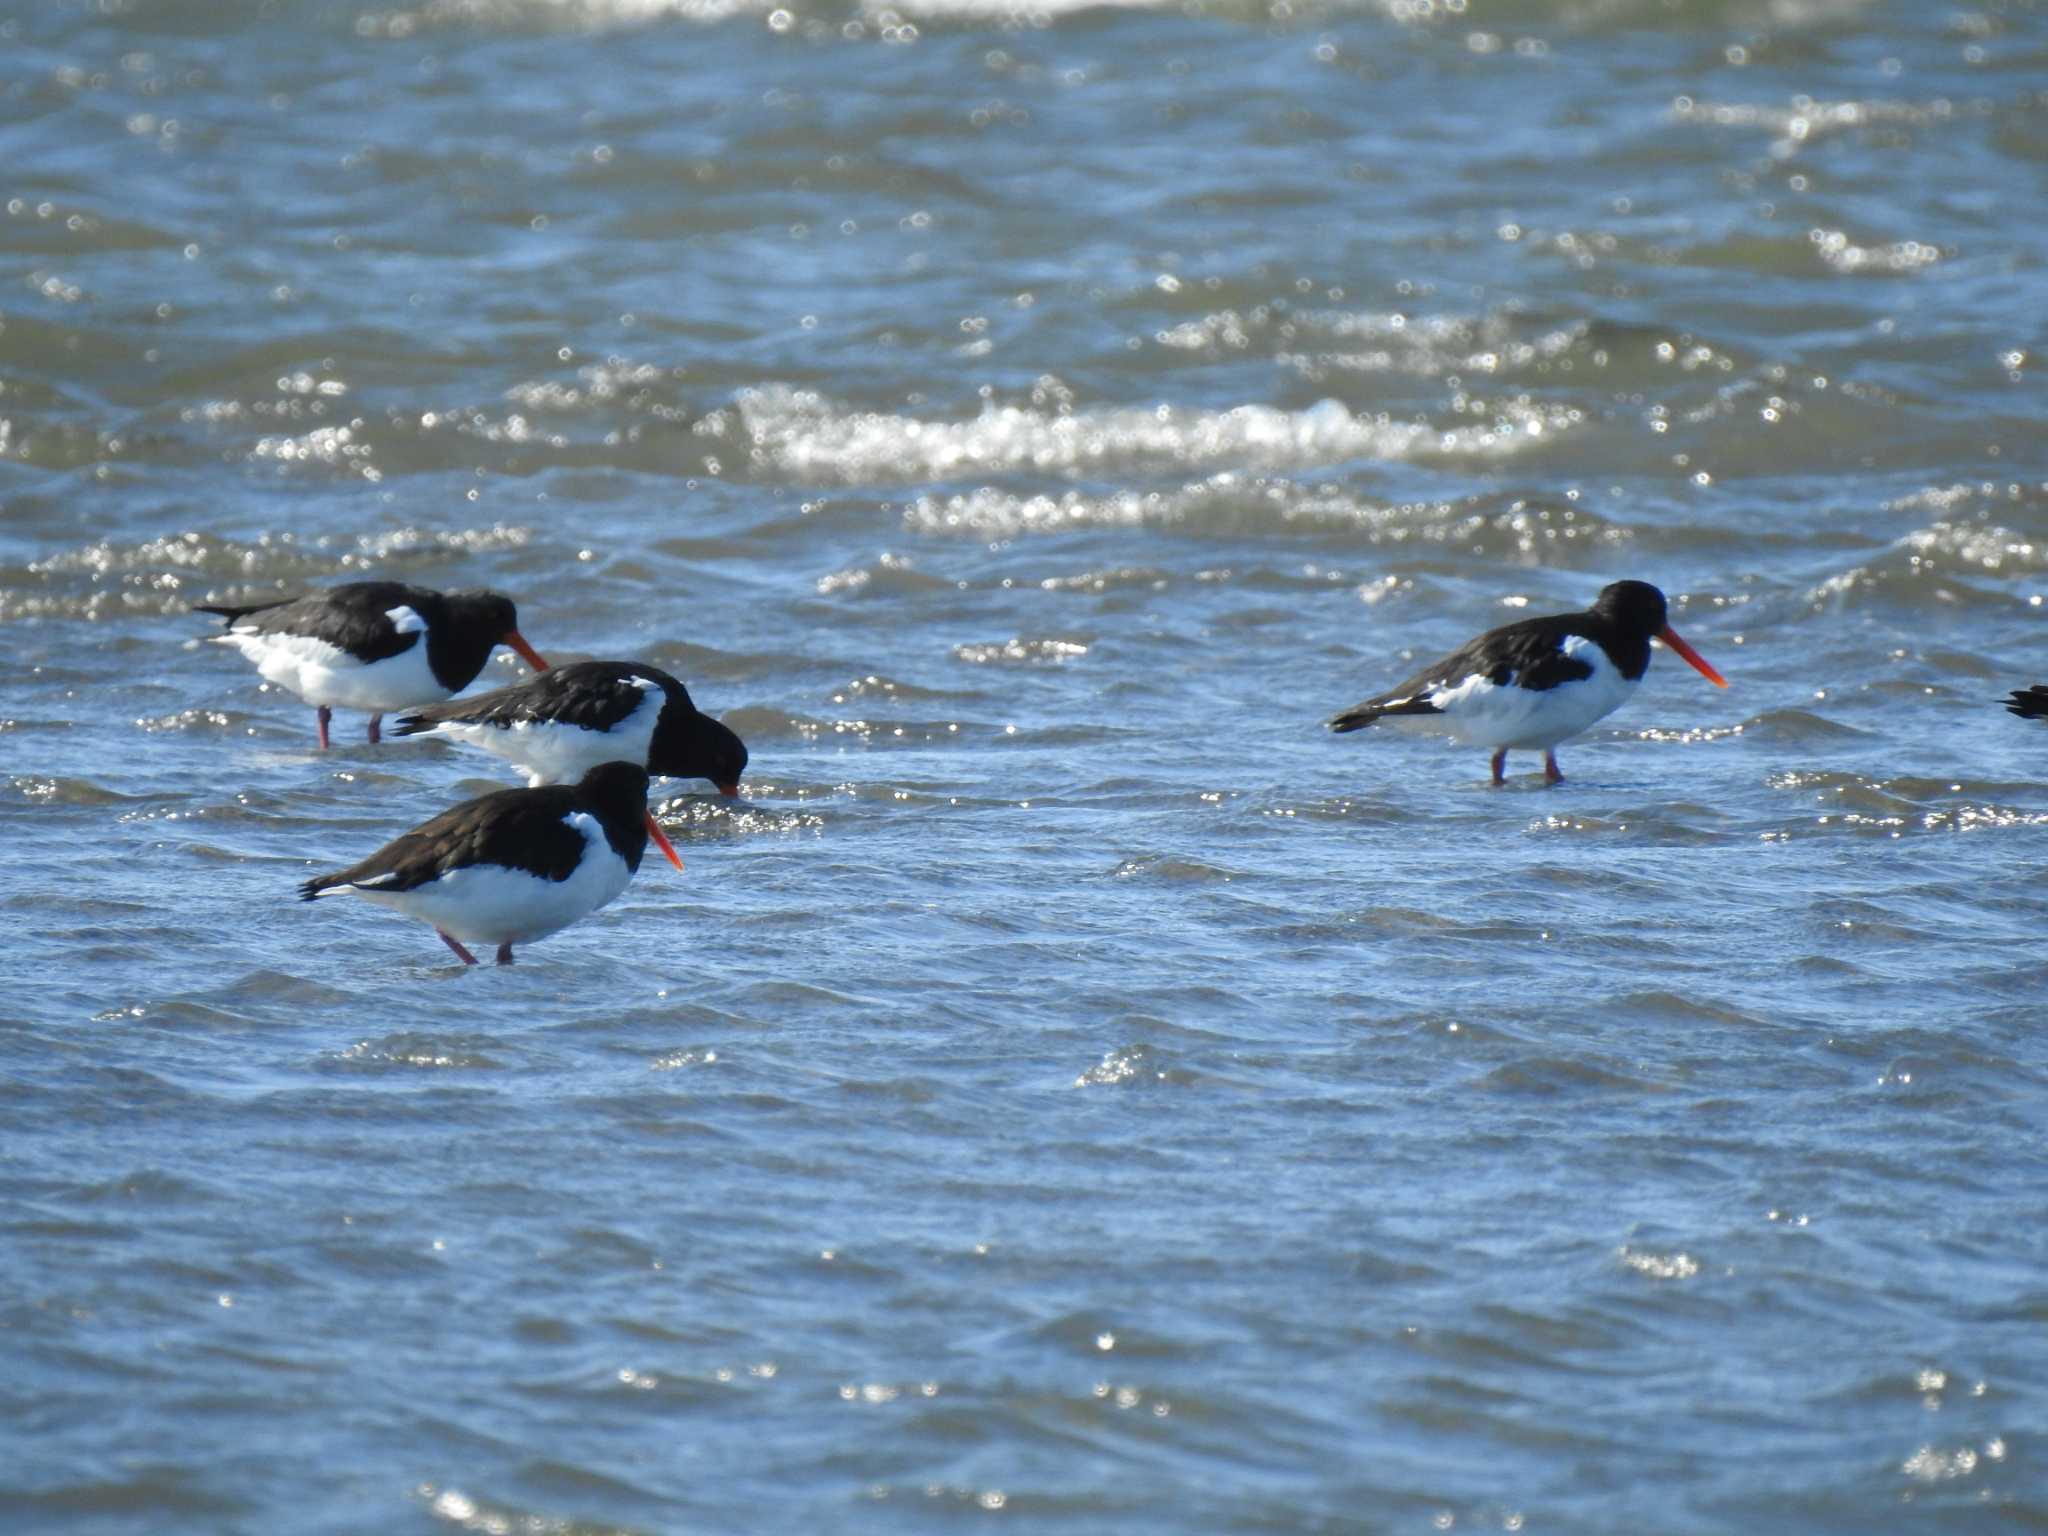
{"x": 2029, "y": 703}
{"x": 375, "y": 645}
{"x": 554, "y": 726}
{"x": 510, "y": 867}
{"x": 1532, "y": 684}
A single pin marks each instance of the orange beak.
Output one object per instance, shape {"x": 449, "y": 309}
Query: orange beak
{"x": 1670, "y": 637}
{"x": 661, "y": 840}
{"x": 527, "y": 653}
{"x": 730, "y": 791}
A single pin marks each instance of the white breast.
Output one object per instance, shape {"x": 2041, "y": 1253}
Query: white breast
{"x": 550, "y": 752}
{"x": 493, "y": 904}
{"x": 325, "y": 674}
{"x": 1490, "y": 714}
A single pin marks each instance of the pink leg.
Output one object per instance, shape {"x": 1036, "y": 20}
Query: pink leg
{"x": 376, "y": 729}
{"x": 1550, "y": 769}
{"x": 456, "y": 945}
{"x": 326, "y": 715}
{"x": 504, "y": 954}
{"x": 1500, "y": 764}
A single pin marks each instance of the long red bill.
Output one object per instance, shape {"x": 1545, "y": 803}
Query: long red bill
{"x": 527, "y": 653}
{"x": 661, "y": 840}
{"x": 1670, "y": 637}
{"x": 730, "y": 791}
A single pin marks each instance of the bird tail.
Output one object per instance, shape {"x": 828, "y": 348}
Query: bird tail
{"x": 2029, "y": 703}
{"x": 233, "y": 611}
{"x": 1359, "y": 716}
{"x": 416, "y": 722}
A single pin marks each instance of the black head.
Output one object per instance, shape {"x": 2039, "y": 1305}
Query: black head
{"x": 615, "y": 784}
{"x": 691, "y": 745}
{"x": 616, "y": 794}
{"x": 471, "y": 626}
{"x": 488, "y": 613}
{"x": 1634, "y": 607}
{"x": 730, "y": 758}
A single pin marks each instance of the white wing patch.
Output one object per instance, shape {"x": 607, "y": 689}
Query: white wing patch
{"x": 1489, "y": 714}
{"x": 405, "y": 620}
{"x": 551, "y": 752}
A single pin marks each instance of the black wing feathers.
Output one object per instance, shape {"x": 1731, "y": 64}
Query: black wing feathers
{"x": 520, "y": 827}
{"x": 595, "y": 695}
{"x": 1359, "y": 716}
{"x": 351, "y": 617}
{"x": 1528, "y": 652}
{"x": 2029, "y": 703}
{"x": 231, "y": 612}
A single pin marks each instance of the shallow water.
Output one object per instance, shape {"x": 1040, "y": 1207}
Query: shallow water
{"x": 1070, "y": 1088}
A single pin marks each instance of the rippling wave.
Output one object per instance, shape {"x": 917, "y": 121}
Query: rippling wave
{"x": 1068, "y": 1085}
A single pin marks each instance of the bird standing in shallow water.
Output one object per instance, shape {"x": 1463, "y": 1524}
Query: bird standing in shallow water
{"x": 558, "y": 724}
{"x": 375, "y": 645}
{"x": 1535, "y": 683}
{"x": 510, "y": 867}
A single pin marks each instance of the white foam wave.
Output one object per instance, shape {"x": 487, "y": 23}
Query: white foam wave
{"x": 1949, "y": 500}
{"x": 1021, "y": 652}
{"x": 177, "y": 559}
{"x": 1983, "y": 546}
{"x": 339, "y": 447}
{"x": 1233, "y": 503}
{"x": 887, "y": 19}
{"x": 1426, "y": 345}
{"x": 1839, "y": 251}
{"x": 565, "y": 15}
{"x": 1805, "y": 121}
{"x": 804, "y": 435}
{"x": 1942, "y": 552}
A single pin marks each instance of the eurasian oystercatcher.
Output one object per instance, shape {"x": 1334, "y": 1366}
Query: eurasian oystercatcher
{"x": 2029, "y": 703}
{"x": 375, "y": 645}
{"x": 1534, "y": 683}
{"x": 510, "y": 867}
{"x": 563, "y": 721}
